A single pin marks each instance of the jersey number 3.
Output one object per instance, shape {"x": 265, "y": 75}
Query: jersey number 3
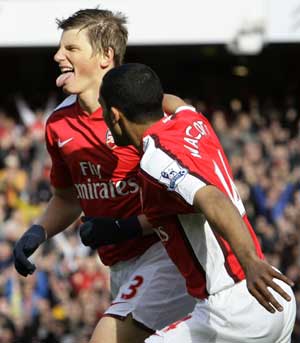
{"x": 133, "y": 288}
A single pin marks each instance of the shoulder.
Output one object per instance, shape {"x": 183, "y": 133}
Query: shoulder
{"x": 156, "y": 159}
{"x": 65, "y": 106}
{"x": 69, "y": 101}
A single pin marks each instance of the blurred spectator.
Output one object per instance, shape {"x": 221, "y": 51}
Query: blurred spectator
{"x": 7, "y": 330}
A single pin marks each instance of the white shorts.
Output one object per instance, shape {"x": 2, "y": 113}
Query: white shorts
{"x": 150, "y": 288}
{"x": 232, "y": 316}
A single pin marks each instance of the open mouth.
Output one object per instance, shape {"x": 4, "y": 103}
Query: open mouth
{"x": 66, "y": 73}
{"x": 66, "y": 70}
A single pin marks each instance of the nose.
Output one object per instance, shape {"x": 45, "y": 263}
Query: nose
{"x": 59, "y": 56}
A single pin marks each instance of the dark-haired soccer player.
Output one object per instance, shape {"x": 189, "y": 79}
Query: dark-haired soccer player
{"x": 191, "y": 199}
{"x": 90, "y": 173}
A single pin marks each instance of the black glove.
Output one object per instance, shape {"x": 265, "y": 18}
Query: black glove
{"x": 26, "y": 246}
{"x": 96, "y": 232}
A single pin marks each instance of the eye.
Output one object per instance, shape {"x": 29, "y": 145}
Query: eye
{"x": 72, "y": 48}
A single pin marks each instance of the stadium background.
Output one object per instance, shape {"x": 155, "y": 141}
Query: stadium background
{"x": 238, "y": 63}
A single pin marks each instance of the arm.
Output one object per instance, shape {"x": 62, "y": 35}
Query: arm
{"x": 225, "y": 219}
{"x": 171, "y": 103}
{"x": 26, "y": 114}
{"x": 61, "y": 211}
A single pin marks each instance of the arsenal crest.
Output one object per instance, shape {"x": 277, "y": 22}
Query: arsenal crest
{"x": 110, "y": 140}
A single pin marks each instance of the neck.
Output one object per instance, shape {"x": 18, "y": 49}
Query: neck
{"x": 88, "y": 101}
{"x": 136, "y": 132}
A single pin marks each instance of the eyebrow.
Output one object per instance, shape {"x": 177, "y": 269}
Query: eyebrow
{"x": 68, "y": 46}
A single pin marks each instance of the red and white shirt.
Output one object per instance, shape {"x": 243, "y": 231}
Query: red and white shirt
{"x": 182, "y": 154}
{"x": 84, "y": 155}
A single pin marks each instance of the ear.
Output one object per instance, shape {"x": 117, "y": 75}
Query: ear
{"x": 115, "y": 115}
{"x": 107, "y": 58}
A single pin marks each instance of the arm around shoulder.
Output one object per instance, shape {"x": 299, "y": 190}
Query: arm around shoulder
{"x": 226, "y": 220}
{"x": 171, "y": 103}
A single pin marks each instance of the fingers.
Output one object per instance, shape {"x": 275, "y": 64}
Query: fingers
{"x": 261, "y": 299}
{"x": 279, "y": 290}
{"x": 25, "y": 247}
{"x": 22, "y": 264}
{"x": 259, "y": 288}
{"x": 85, "y": 233}
{"x": 278, "y": 275}
{"x": 24, "y": 271}
{"x": 264, "y": 291}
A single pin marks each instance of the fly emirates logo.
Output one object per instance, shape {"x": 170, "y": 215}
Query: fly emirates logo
{"x": 92, "y": 189}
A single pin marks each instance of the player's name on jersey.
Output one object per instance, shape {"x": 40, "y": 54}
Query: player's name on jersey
{"x": 106, "y": 190}
{"x": 193, "y": 134}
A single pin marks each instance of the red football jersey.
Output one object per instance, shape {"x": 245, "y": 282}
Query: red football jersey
{"x": 84, "y": 155}
{"x": 182, "y": 154}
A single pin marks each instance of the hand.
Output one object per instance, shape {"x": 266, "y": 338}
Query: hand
{"x": 26, "y": 246}
{"x": 259, "y": 276}
{"x": 88, "y": 233}
{"x": 96, "y": 232}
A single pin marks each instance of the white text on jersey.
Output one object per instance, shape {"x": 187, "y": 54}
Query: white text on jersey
{"x": 106, "y": 190}
{"x": 93, "y": 169}
{"x": 193, "y": 134}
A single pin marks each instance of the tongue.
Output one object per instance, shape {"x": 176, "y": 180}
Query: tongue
{"x": 60, "y": 81}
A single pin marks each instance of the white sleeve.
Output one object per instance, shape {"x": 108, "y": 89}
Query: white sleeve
{"x": 169, "y": 172}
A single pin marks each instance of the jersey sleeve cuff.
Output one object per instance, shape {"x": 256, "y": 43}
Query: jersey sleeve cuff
{"x": 188, "y": 187}
{"x": 184, "y": 108}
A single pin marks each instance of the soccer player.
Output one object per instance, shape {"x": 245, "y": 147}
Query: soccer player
{"x": 91, "y": 174}
{"x": 191, "y": 200}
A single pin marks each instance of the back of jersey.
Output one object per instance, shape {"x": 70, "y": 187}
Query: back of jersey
{"x": 182, "y": 155}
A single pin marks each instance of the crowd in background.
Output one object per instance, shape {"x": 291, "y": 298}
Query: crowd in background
{"x": 68, "y": 293}
{"x": 64, "y": 299}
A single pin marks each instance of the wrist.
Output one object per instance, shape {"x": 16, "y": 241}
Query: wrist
{"x": 247, "y": 259}
{"x": 38, "y": 231}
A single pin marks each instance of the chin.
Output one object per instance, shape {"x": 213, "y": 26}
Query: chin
{"x": 68, "y": 89}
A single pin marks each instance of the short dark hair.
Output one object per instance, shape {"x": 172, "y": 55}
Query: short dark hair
{"x": 135, "y": 90}
{"x": 105, "y": 29}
